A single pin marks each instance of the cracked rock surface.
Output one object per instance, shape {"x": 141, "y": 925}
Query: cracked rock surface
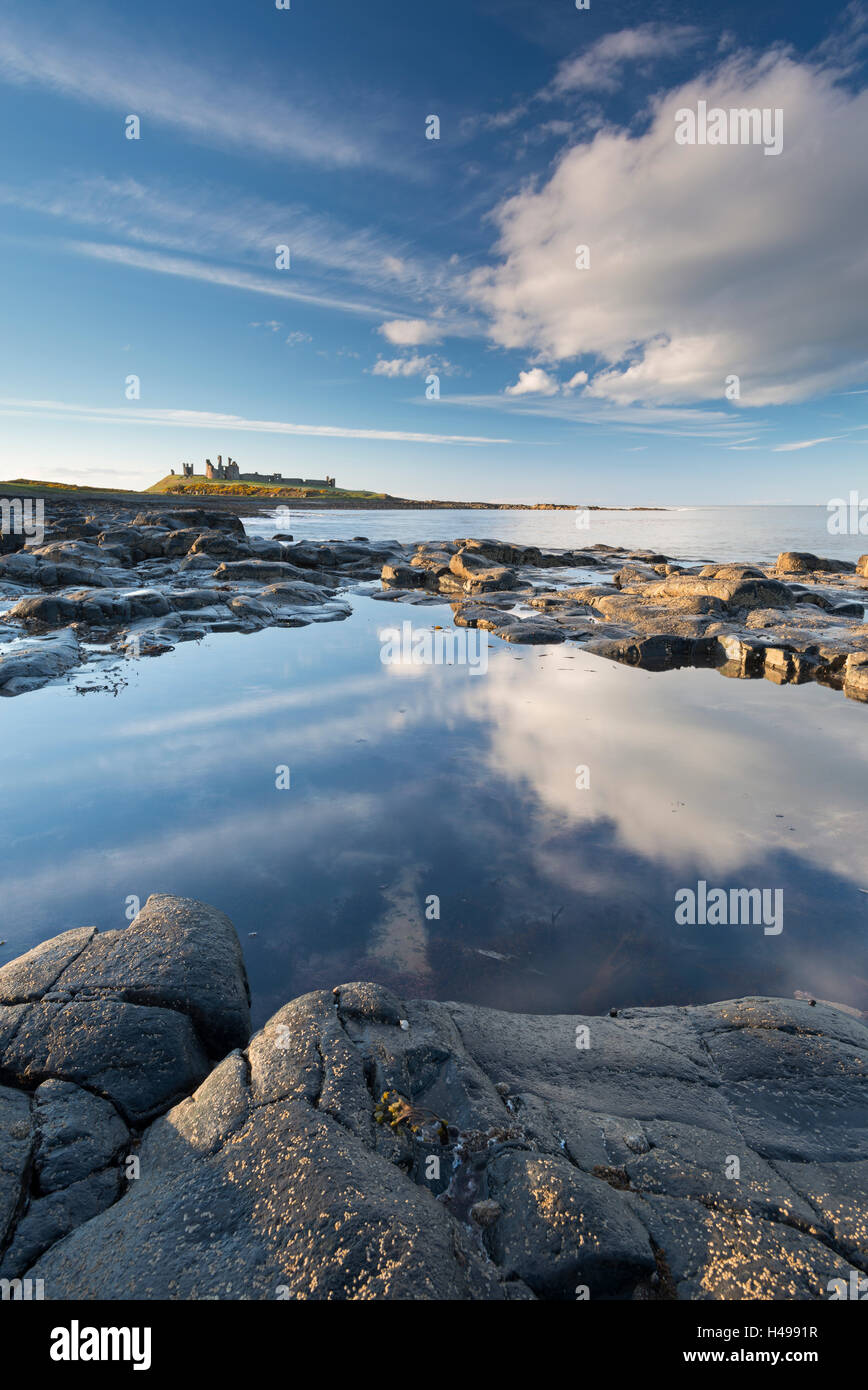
{"x": 710, "y": 1152}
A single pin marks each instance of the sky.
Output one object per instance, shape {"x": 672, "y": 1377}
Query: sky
{"x": 431, "y": 328}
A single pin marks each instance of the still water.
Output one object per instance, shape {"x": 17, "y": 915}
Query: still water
{"x": 409, "y": 784}
{"x": 754, "y": 534}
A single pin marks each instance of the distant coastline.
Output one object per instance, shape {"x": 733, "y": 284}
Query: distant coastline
{"x": 259, "y": 497}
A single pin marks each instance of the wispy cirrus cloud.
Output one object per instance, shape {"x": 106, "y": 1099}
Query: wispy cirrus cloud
{"x": 332, "y": 262}
{"x": 206, "y": 101}
{"x": 601, "y": 67}
{"x": 688, "y": 422}
{"x": 211, "y": 420}
{"x": 806, "y": 443}
{"x": 230, "y": 277}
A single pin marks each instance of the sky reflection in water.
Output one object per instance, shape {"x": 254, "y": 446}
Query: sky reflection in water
{"x": 407, "y": 783}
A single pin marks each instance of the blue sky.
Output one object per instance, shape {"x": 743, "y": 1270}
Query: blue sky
{"x": 455, "y": 257}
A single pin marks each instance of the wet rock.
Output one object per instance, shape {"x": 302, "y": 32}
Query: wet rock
{"x": 299, "y": 591}
{"x": 562, "y": 1228}
{"x": 32, "y": 663}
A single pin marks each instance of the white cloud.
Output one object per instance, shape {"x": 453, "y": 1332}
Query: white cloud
{"x": 230, "y": 277}
{"x": 228, "y": 224}
{"x": 805, "y": 444}
{"x": 580, "y": 379}
{"x": 600, "y": 67}
{"x": 538, "y": 382}
{"x": 214, "y": 420}
{"x": 401, "y": 366}
{"x": 297, "y": 337}
{"x": 535, "y": 382}
{"x": 705, "y": 261}
{"x": 409, "y": 332}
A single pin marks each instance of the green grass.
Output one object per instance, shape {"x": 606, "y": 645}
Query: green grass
{"x": 175, "y": 486}
{"x": 40, "y": 485}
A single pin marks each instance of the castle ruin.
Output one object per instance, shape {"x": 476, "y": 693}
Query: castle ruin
{"x": 229, "y": 472}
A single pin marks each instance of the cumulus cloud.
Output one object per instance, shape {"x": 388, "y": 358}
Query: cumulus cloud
{"x": 535, "y": 382}
{"x": 580, "y": 379}
{"x": 538, "y": 382}
{"x": 705, "y": 261}
{"x": 401, "y": 366}
{"x": 409, "y": 332}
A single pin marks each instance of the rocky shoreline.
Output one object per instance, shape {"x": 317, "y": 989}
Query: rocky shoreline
{"x": 360, "y": 1146}
{"x": 109, "y": 582}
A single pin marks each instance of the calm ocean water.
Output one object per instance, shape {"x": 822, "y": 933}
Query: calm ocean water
{"x": 414, "y": 783}
{"x": 700, "y": 533}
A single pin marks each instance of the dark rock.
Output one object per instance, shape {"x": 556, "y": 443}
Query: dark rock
{"x": 17, "y": 1143}
{"x": 141, "y": 1059}
{"x": 562, "y": 1168}
{"x": 79, "y": 1133}
{"x": 34, "y": 663}
{"x": 177, "y": 954}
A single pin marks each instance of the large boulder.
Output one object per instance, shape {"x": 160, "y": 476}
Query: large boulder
{"x": 804, "y": 562}
{"x": 478, "y": 574}
{"x": 176, "y": 954}
{"x": 135, "y": 1015}
{"x": 367, "y": 1147}
{"x": 734, "y": 592}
